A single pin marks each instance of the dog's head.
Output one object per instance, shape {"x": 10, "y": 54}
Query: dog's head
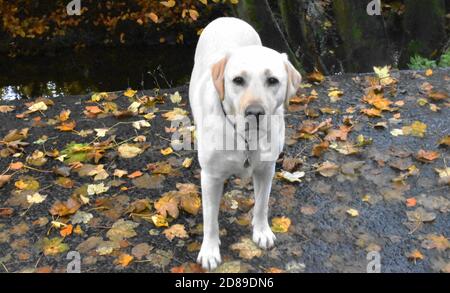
{"x": 255, "y": 81}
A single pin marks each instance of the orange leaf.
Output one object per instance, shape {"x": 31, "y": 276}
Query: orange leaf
{"x": 67, "y": 126}
{"x": 16, "y": 166}
{"x": 411, "y": 202}
{"x": 124, "y": 259}
{"x": 93, "y": 109}
{"x": 427, "y": 156}
{"x": 66, "y": 231}
{"x": 135, "y": 174}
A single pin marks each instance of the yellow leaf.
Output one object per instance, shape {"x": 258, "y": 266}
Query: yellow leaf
{"x": 168, "y": 4}
{"x": 415, "y": 255}
{"x": 154, "y": 17}
{"x": 352, "y": 212}
{"x": 280, "y": 224}
{"x": 160, "y": 221}
{"x": 97, "y": 97}
{"x": 193, "y": 14}
{"x": 124, "y": 259}
{"x": 382, "y": 72}
{"x": 187, "y": 163}
{"x": 40, "y": 106}
{"x": 129, "y": 93}
{"x": 417, "y": 129}
{"x": 167, "y": 151}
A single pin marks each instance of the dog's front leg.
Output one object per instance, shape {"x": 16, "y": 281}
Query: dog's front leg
{"x": 262, "y": 184}
{"x": 212, "y": 188}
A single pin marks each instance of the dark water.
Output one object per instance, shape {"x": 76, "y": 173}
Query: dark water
{"x": 93, "y": 70}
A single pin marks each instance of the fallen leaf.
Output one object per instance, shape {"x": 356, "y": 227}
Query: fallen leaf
{"x": 352, "y": 212}
{"x": 159, "y": 221}
{"x": 281, "y": 224}
{"x": 420, "y": 215}
{"x": 427, "y": 156}
{"x": 129, "y": 93}
{"x": 40, "y": 106}
{"x": 93, "y": 189}
{"x": 247, "y": 248}
{"x": 415, "y": 255}
{"x": 411, "y": 202}
{"x": 417, "y": 129}
{"x": 175, "y": 98}
{"x": 81, "y": 217}
{"x": 129, "y": 151}
{"x": 124, "y": 260}
{"x": 66, "y": 231}
{"x": 141, "y": 124}
{"x": 187, "y": 162}
{"x": 4, "y": 179}
{"x": 291, "y": 177}
{"x": 122, "y": 229}
{"x": 141, "y": 250}
{"x": 328, "y": 169}
{"x": 167, "y": 151}
{"x": 36, "y": 198}
{"x": 16, "y": 166}
{"x": 176, "y": 230}
{"x": 6, "y": 109}
{"x": 52, "y": 246}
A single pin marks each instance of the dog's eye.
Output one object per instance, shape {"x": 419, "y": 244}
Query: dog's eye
{"x": 238, "y": 81}
{"x": 271, "y": 81}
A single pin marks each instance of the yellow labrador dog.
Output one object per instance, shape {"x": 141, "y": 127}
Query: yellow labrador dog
{"x": 235, "y": 79}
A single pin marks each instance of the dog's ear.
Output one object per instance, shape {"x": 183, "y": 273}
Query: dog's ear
{"x": 217, "y": 72}
{"x": 294, "y": 79}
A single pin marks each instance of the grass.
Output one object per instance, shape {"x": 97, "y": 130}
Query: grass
{"x": 418, "y": 62}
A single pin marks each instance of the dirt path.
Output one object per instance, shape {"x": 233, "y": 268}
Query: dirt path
{"x": 368, "y": 192}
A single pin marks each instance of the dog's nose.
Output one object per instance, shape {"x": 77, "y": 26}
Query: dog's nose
{"x": 255, "y": 110}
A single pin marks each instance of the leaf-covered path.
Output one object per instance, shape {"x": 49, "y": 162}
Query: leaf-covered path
{"x": 368, "y": 156}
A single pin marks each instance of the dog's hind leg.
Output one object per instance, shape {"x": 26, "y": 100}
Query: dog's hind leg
{"x": 212, "y": 188}
{"x": 262, "y": 184}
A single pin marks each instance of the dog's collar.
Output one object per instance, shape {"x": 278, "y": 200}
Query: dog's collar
{"x": 247, "y": 148}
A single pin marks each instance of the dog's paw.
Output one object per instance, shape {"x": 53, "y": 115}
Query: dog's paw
{"x": 264, "y": 237}
{"x": 209, "y": 257}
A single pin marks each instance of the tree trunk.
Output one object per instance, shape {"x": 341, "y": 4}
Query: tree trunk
{"x": 259, "y": 14}
{"x": 308, "y": 37}
{"x": 364, "y": 40}
{"x": 424, "y": 26}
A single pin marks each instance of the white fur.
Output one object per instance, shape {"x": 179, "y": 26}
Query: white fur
{"x": 237, "y": 41}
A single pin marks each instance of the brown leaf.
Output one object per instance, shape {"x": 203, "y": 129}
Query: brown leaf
{"x": 4, "y": 179}
{"x": 438, "y": 96}
{"x": 328, "y": 169}
{"x": 62, "y": 209}
{"x": 168, "y": 204}
{"x": 318, "y": 149}
{"x": 427, "y": 156}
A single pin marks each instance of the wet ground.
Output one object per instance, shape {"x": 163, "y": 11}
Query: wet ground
{"x": 371, "y": 204}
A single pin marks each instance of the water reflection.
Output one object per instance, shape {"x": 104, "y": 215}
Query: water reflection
{"x": 68, "y": 73}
